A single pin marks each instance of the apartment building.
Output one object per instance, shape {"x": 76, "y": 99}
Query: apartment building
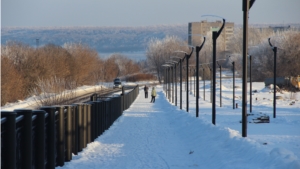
{"x": 204, "y": 27}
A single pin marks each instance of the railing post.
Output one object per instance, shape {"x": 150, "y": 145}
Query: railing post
{"x": 89, "y": 120}
{"x": 61, "y": 136}
{"x": 69, "y": 132}
{"x": 9, "y": 140}
{"x": 26, "y": 154}
{"x": 80, "y": 127}
{"x": 75, "y": 129}
{"x": 40, "y": 139}
{"x": 93, "y": 119}
{"x": 51, "y": 147}
{"x": 123, "y": 94}
{"x": 85, "y": 114}
{"x": 93, "y": 97}
{"x": 102, "y": 117}
{"x": 97, "y": 117}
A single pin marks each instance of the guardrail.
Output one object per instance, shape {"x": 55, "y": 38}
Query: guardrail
{"x": 47, "y": 137}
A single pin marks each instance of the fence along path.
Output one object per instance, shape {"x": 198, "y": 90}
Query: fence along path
{"x": 47, "y": 137}
{"x": 145, "y": 136}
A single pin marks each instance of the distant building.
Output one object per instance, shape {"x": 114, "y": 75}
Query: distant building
{"x": 274, "y": 28}
{"x": 204, "y": 27}
{"x": 280, "y": 28}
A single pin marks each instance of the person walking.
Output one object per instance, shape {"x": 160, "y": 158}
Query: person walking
{"x": 153, "y": 95}
{"x": 146, "y": 91}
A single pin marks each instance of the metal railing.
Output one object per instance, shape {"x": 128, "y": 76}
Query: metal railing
{"x": 47, "y": 137}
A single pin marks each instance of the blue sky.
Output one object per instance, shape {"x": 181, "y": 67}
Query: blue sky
{"x": 36, "y": 13}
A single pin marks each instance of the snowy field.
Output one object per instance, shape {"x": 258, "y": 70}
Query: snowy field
{"x": 160, "y": 135}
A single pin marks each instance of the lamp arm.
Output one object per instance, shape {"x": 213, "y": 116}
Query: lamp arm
{"x": 219, "y": 32}
{"x": 269, "y": 39}
{"x": 189, "y": 54}
{"x": 198, "y": 48}
{"x": 251, "y": 3}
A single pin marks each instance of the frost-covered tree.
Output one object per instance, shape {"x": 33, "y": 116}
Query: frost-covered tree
{"x": 160, "y": 50}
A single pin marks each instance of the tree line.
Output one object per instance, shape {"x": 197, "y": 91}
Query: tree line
{"x": 159, "y": 51}
{"x": 103, "y": 39}
{"x": 288, "y": 53}
{"x": 25, "y": 69}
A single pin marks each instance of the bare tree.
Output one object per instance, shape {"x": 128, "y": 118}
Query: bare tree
{"x": 12, "y": 83}
{"x": 288, "y": 61}
{"x": 159, "y": 51}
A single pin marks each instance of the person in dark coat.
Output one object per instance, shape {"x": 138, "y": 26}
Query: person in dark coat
{"x": 146, "y": 91}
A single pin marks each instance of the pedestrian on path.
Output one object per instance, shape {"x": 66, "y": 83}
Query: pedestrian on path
{"x": 153, "y": 95}
{"x": 146, "y": 91}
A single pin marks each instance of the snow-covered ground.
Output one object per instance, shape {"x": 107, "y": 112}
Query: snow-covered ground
{"x": 31, "y": 102}
{"x": 160, "y": 135}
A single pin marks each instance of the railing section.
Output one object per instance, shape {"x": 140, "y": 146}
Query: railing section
{"x": 47, "y": 137}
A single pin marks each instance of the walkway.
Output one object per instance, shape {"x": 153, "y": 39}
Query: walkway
{"x": 159, "y": 135}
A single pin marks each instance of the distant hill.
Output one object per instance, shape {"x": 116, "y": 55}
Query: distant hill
{"x": 102, "y": 39}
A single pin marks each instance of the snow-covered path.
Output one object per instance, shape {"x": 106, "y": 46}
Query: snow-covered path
{"x": 160, "y": 135}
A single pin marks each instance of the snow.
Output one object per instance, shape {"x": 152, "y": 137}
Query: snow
{"x": 160, "y": 135}
{"x": 31, "y": 102}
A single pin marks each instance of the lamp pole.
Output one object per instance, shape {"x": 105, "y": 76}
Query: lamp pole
{"x": 180, "y": 72}
{"x": 246, "y": 6}
{"x": 169, "y": 83}
{"x": 175, "y": 85}
{"x": 164, "y": 80}
{"x": 250, "y": 59}
{"x": 167, "y": 67}
{"x": 187, "y": 78}
{"x": 198, "y": 49}
{"x": 233, "y": 93}
{"x": 210, "y": 93}
{"x": 215, "y": 35}
{"x": 203, "y": 83}
{"x": 172, "y": 79}
{"x": 274, "y": 48}
{"x": 173, "y": 75}
{"x": 187, "y": 56}
{"x": 180, "y": 82}
{"x": 194, "y": 82}
{"x": 220, "y": 66}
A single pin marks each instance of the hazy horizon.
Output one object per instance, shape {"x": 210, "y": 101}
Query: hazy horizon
{"x": 135, "y": 13}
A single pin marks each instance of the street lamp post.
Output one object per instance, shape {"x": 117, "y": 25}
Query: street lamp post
{"x": 195, "y": 82}
{"x": 173, "y": 79}
{"x": 166, "y": 83}
{"x": 215, "y": 35}
{"x": 175, "y": 85}
{"x": 180, "y": 77}
{"x": 247, "y": 4}
{"x": 187, "y": 56}
{"x": 233, "y": 86}
{"x": 166, "y": 78}
{"x": 176, "y": 63}
{"x": 250, "y": 59}
{"x": 220, "y": 66}
{"x": 203, "y": 83}
{"x": 274, "y": 48}
{"x": 169, "y": 83}
{"x": 181, "y": 60}
{"x": 190, "y": 77}
{"x": 210, "y": 93}
{"x": 198, "y": 49}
